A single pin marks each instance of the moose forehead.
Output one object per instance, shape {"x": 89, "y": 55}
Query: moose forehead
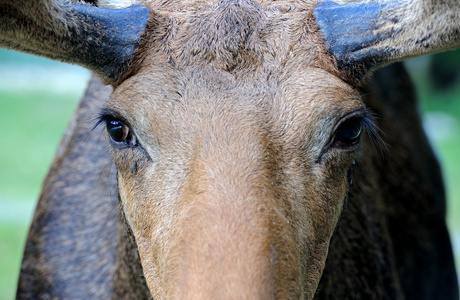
{"x": 233, "y": 56}
{"x": 233, "y": 34}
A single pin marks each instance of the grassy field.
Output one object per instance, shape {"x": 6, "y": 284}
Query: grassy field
{"x": 36, "y": 102}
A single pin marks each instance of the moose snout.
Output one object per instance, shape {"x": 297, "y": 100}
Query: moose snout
{"x": 231, "y": 238}
{"x": 227, "y": 252}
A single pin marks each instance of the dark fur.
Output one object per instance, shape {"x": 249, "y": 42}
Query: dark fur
{"x": 77, "y": 247}
{"x": 62, "y": 32}
{"x": 365, "y": 36}
{"x": 392, "y": 242}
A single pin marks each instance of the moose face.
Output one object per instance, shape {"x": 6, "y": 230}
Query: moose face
{"x": 233, "y": 158}
{"x": 233, "y": 126}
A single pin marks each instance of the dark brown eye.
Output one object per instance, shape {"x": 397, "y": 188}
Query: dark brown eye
{"x": 348, "y": 133}
{"x": 118, "y": 131}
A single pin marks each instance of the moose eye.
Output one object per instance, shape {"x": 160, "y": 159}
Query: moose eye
{"x": 120, "y": 133}
{"x": 348, "y": 133}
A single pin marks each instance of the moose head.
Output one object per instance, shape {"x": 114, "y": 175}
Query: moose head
{"x": 233, "y": 125}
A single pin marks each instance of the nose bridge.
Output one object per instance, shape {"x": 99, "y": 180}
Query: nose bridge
{"x": 227, "y": 244}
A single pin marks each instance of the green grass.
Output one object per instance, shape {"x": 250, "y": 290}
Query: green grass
{"x": 449, "y": 153}
{"x": 32, "y": 124}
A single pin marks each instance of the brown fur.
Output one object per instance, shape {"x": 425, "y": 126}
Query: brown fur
{"x": 363, "y": 36}
{"x": 231, "y": 148}
{"x": 234, "y": 191}
{"x": 103, "y": 41}
{"x": 437, "y": 28}
{"x": 38, "y": 26}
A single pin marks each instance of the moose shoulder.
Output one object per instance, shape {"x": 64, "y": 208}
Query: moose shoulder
{"x": 244, "y": 152}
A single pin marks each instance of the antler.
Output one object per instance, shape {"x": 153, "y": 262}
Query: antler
{"x": 365, "y": 36}
{"x": 102, "y": 40}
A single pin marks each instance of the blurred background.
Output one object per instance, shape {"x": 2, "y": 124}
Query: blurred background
{"x": 38, "y": 96}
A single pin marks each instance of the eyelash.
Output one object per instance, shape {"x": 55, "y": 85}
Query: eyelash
{"x": 351, "y": 127}
{"x": 364, "y": 119}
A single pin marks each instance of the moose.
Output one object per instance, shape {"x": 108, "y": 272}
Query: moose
{"x": 258, "y": 150}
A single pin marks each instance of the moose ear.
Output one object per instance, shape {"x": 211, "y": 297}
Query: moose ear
{"x": 365, "y": 36}
{"x": 102, "y": 40}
